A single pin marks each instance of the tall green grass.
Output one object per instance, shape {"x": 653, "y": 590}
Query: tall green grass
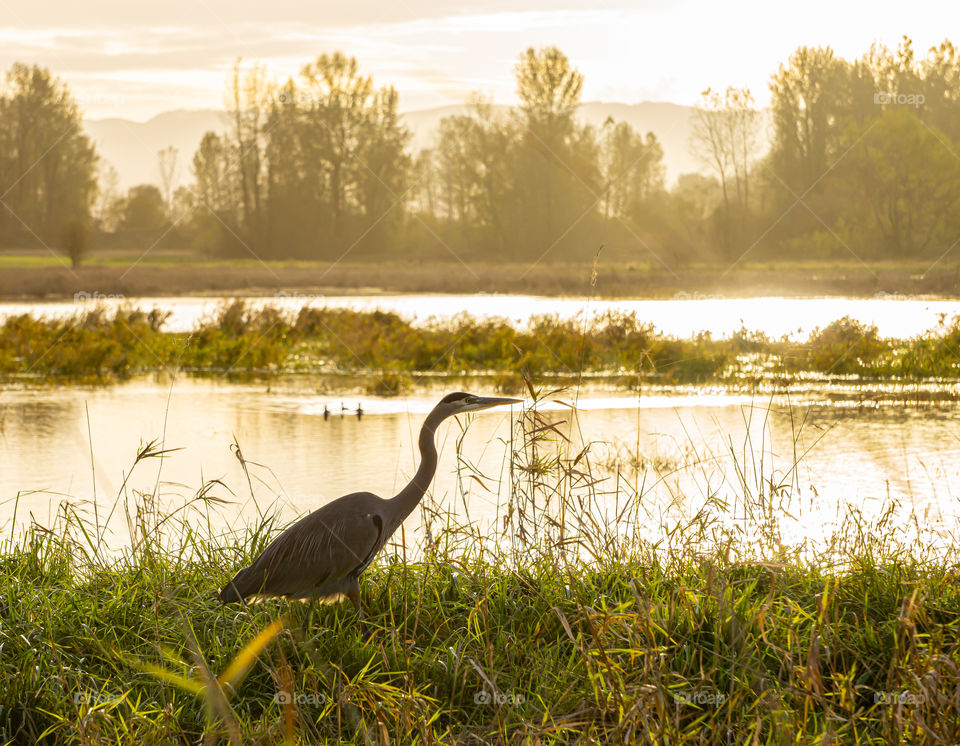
{"x": 589, "y": 612}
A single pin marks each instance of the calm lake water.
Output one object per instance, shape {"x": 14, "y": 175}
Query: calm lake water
{"x": 693, "y": 444}
{"x": 894, "y": 316}
{"x": 673, "y": 450}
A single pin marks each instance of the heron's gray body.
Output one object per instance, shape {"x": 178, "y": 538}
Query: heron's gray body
{"x": 303, "y": 561}
{"x": 322, "y": 556}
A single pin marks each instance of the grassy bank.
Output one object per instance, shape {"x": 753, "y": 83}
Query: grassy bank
{"x": 628, "y": 649}
{"x": 134, "y": 275}
{"x": 556, "y": 629}
{"x": 392, "y": 354}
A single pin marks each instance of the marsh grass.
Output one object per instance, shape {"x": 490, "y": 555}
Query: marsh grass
{"x": 164, "y": 272}
{"x": 394, "y": 355}
{"x": 591, "y": 610}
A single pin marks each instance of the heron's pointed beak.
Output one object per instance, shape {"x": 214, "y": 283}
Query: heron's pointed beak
{"x": 485, "y": 402}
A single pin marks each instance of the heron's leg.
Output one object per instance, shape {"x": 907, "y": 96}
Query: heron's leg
{"x": 353, "y": 593}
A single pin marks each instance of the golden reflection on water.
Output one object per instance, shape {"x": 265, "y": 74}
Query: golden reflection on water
{"x": 687, "y": 444}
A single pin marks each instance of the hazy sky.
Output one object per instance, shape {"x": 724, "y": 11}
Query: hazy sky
{"x": 134, "y": 59}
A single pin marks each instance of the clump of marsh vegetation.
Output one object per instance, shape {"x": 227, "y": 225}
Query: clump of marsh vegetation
{"x": 663, "y": 603}
{"x": 396, "y": 354}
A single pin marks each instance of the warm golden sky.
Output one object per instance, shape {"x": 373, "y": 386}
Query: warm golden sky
{"x": 134, "y": 59}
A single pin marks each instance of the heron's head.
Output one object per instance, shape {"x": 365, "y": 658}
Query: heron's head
{"x": 459, "y": 402}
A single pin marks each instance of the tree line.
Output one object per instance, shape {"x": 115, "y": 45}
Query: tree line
{"x": 854, "y": 159}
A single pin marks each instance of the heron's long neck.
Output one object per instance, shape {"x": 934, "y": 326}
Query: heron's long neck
{"x": 410, "y": 496}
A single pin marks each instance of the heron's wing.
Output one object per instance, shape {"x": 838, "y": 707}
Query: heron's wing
{"x": 377, "y": 544}
{"x": 317, "y": 551}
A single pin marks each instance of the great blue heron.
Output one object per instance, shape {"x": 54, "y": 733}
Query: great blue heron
{"x": 321, "y": 556}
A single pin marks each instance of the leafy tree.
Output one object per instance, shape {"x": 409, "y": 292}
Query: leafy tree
{"x": 903, "y": 188}
{"x": 215, "y": 198}
{"x": 247, "y": 100}
{"x": 336, "y": 121}
{"x": 337, "y": 167}
{"x": 812, "y": 113}
{"x": 864, "y": 145}
{"x": 808, "y": 109}
{"x": 931, "y": 86}
{"x": 725, "y": 138}
{"x": 941, "y": 89}
{"x": 144, "y": 209}
{"x": 693, "y": 200}
{"x": 76, "y": 240}
{"x": 296, "y": 193}
{"x": 473, "y": 158}
{"x": 106, "y": 212}
{"x": 385, "y": 175}
{"x": 632, "y": 168}
{"x": 167, "y": 168}
{"x": 557, "y": 175}
{"x": 320, "y": 167}
{"x": 214, "y": 176}
{"x": 715, "y": 141}
{"x": 47, "y": 165}
{"x": 549, "y": 89}
{"x": 894, "y": 73}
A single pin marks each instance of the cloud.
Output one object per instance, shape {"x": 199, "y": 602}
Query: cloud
{"x": 177, "y": 53}
{"x": 432, "y": 60}
{"x": 227, "y": 14}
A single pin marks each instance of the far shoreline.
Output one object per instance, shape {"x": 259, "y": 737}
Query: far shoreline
{"x": 37, "y": 278}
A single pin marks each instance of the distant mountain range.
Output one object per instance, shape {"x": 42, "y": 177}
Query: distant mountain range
{"x": 131, "y": 147}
